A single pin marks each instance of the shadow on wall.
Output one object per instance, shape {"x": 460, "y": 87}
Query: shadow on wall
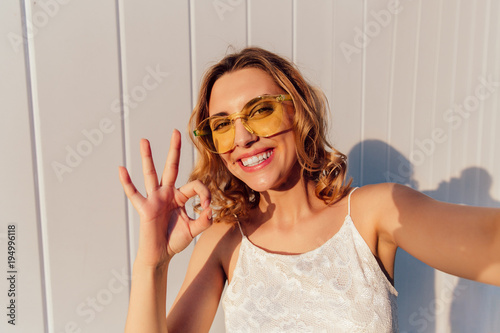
{"x": 474, "y": 307}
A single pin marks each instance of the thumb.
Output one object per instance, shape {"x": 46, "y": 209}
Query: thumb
{"x": 201, "y": 223}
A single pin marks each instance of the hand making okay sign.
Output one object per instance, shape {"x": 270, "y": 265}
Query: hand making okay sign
{"x": 165, "y": 227}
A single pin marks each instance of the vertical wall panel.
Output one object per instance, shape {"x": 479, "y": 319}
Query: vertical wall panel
{"x": 379, "y": 18}
{"x": 491, "y": 149}
{"x": 75, "y": 73}
{"x": 314, "y": 32}
{"x": 403, "y": 85}
{"x": 494, "y": 67}
{"x": 491, "y": 67}
{"x": 218, "y": 27}
{"x": 18, "y": 194}
{"x": 464, "y": 80}
{"x": 446, "y": 80}
{"x": 347, "y": 75}
{"x": 156, "y": 39}
{"x": 476, "y": 128}
{"x": 314, "y": 49}
{"x": 425, "y": 130}
{"x": 475, "y": 124}
{"x": 270, "y": 25}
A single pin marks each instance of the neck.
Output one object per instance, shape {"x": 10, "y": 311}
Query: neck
{"x": 290, "y": 204}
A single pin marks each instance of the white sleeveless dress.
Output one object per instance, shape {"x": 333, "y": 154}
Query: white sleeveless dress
{"x": 338, "y": 287}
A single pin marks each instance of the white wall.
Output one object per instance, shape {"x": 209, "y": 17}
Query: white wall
{"x": 83, "y": 81}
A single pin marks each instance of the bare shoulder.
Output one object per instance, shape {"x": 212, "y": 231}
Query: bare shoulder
{"x": 217, "y": 230}
{"x": 376, "y": 212}
{"x": 384, "y": 197}
{"x": 384, "y": 189}
{"x": 373, "y": 199}
{"x": 381, "y": 205}
{"x": 220, "y": 239}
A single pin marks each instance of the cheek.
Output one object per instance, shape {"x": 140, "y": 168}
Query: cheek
{"x": 292, "y": 151}
{"x": 288, "y": 151}
{"x": 227, "y": 163}
{"x": 290, "y": 142}
{"x": 288, "y": 116}
{"x": 224, "y": 159}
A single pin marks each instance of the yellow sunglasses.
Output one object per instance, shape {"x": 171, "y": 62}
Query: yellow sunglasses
{"x": 261, "y": 116}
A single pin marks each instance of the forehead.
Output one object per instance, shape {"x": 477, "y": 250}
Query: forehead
{"x": 233, "y": 90}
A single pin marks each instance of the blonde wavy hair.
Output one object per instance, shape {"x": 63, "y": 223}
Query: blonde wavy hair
{"x": 232, "y": 199}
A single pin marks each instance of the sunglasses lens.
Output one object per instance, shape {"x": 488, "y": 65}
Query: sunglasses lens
{"x": 265, "y": 118}
{"x": 223, "y": 141}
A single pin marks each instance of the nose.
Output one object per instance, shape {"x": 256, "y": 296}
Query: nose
{"x": 242, "y": 136}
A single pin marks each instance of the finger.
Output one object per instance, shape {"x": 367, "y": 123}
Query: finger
{"x": 130, "y": 191}
{"x": 201, "y": 223}
{"x": 172, "y": 164}
{"x": 148, "y": 167}
{"x": 192, "y": 189}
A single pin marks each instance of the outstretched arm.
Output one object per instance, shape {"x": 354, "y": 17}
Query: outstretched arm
{"x": 457, "y": 239}
{"x": 165, "y": 229}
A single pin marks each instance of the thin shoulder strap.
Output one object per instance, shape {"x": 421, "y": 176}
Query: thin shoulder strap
{"x": 349, "y": 202}
{"x": 239, "y": 225}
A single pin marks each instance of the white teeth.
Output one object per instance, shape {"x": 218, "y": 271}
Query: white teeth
{"x": 257, "y": 159}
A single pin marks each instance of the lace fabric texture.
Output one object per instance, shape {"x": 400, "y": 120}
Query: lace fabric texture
{"x": 338, "y": 287}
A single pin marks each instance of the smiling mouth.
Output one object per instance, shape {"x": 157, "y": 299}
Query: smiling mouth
{"x": 257, "y": 159}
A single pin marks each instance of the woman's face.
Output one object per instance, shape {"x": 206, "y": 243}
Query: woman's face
{"x": 263, "y": 163}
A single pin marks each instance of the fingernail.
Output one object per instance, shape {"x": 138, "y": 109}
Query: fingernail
{"x": 209, "y": 214}
{"x": 206, "y": 204}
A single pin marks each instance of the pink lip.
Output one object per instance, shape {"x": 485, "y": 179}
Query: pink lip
{"x": 255, "y": 167}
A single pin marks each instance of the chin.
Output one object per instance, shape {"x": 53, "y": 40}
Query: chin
{"x": 263, "y": 185}
{"x": 258, "y": 187}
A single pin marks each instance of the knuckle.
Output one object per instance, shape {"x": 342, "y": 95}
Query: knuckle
{"x": 200, "y": 187}
{"x": 150, "y": 172}
{"x": 173, "y": 166}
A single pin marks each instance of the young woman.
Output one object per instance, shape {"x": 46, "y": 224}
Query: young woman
{"x": 300, "y": 249}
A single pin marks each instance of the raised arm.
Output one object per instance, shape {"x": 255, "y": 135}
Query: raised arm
{"x": 457, "y": 239}
{"x": 165, "y": 229}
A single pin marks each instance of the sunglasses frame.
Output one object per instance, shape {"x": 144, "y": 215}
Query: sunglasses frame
{"x": 205, "y": 135}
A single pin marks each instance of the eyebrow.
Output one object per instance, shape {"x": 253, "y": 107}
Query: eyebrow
{"x": 225, "y": 114}
{"x": 220, "y": 114}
